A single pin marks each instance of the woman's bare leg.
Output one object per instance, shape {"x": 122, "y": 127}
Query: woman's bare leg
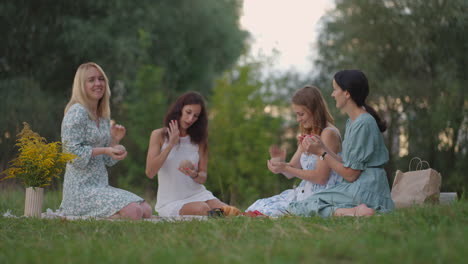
{"x": 132, "y": 211}
{"x": 146, "y": 209}
{"x": 215, "y": 203}
{"x": 195, "y": 208}
{"x": 227, "y": 209}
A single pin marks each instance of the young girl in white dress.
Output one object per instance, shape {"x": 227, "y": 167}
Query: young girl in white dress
{"x": 178, "y": 154}
{"x": 314, "y": 118}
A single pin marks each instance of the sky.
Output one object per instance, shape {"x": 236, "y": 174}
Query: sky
{"x": 288, "y": 26}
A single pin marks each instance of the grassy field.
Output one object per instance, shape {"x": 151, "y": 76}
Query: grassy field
{"x": 430, "y": 234}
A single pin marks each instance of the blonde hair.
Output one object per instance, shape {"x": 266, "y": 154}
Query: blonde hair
{"x": 311, "y": 98}
{"x": 80, "y": 96}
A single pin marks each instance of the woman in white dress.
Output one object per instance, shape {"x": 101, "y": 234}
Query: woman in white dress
{"x": 314, "y": 118}
{"x": 178, "y": 153}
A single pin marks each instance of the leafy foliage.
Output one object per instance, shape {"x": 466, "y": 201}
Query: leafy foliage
{"x": 415, "y": 56}
{"x": 240, "y": 135}
{"x": 151, "y": 51}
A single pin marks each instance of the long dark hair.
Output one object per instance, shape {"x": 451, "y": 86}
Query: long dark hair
{"x": 198, "y": 131}
{"x": 355, "y": 82}
{"x": 311, "y": 98}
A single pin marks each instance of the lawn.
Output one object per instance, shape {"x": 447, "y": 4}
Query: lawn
{"x": 429, "y": 234}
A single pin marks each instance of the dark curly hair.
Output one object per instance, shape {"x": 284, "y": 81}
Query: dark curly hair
{"x": 198, "y": 131}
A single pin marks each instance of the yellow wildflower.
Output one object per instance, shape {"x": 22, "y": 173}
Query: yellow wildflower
{"x": 38, "y": 162}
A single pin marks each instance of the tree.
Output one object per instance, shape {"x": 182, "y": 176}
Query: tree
{"x": 415, "y": 56}
{"x": 240, "y": 134}
{"x": 185, "y": 44}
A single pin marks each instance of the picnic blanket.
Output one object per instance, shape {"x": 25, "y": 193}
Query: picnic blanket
{"x": 50, "y": 214}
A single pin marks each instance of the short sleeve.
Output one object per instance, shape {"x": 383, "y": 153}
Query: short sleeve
{"x": 359, "y": 146}
{"x": 74, "y": 126}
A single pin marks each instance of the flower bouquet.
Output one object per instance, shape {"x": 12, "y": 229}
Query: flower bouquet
{"x": 37, "y": 163}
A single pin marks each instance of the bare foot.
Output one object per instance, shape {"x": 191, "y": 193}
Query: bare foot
{"x": 360, "y": 210}
{"x": 115, "y": 216}
{"x": 363, "y": 210}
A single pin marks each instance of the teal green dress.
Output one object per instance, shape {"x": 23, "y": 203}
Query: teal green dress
{"x": 363, "y": 149}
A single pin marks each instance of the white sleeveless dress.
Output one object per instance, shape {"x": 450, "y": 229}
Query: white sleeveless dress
{"x": 277, "y": 205}
{"x": 176, "y": 189}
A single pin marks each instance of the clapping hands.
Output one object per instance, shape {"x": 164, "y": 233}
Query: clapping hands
{"x": 276, "y": 153}
{"x": 313, "y": 144}
{"x": 276, "y": 164}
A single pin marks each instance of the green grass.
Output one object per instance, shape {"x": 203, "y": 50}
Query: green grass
{"x": 430, "y": 234}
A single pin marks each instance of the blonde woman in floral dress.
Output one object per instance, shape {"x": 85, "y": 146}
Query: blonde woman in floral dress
{"x": 87, "y": 133}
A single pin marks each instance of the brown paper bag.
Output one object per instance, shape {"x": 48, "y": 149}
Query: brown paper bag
{"x": 416, "y": 187}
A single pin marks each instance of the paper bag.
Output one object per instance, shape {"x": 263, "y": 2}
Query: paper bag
{"x": 416, "y": 187}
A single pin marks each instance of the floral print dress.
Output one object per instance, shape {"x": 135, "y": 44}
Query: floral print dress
{"x": 278, "y": 205}
{"x": 86, "y": 189}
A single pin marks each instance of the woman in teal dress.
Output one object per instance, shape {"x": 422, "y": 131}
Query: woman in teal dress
{"x": 365, "y": 189}
{"x": 87, "y": 133}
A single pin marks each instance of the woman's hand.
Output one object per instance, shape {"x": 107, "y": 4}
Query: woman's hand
{"x": 271, "y": 168}
{"x": 300, "y": 138}
{"x": 279, "y": 165}
{"x": 189, "y": 172}
{"x": 313, "y": 144}
{"x": 276, "y": 166}
{"x": 188, "y": 168}
{"x": 117, "y": 132}
{"x": 174, "y": 133}
{"x": 116, "y": 154}
{"x": 277, "y": 153}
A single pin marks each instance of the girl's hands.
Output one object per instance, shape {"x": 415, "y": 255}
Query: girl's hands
{"x": 300, "y": 139}
{"x": 188, "y": 168}
{"x": 117, "y": 132}
{"x": 271, "y": 168}
{"x": 276, "y": 166}
{"x": 189, "y": 172}
{"x": 276, "y": 153}
{"x": 173, "y": 131}
{"x": 116, "y": 154}
{"x": 313, "y": 144}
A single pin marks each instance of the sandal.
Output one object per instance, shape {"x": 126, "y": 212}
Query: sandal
{"x": 216, "y": 212}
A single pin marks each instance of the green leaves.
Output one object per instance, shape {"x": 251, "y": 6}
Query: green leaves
{"x": 415, "y": 56}
{"x": 152, "y": 51}
{"x": 240, "y": 134}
